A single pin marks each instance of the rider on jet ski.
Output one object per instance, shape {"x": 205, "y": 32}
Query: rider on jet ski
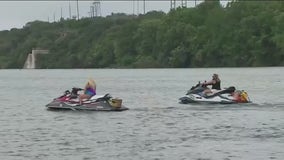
{"x": 215, "y": 82}
{"x": 89, "y": 90}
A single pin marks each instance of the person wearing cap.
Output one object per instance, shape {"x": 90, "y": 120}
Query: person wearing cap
{"x": 89, "y": 90}
{"x": 215, "y": 83}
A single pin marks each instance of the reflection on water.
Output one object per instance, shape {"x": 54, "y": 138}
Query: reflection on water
{"x": 155, "y": 127}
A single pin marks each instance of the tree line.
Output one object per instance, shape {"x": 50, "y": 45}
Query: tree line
{"x": 242, "y": 34}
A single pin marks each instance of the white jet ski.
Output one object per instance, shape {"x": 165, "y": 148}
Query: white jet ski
{"x": 226, "y": 96}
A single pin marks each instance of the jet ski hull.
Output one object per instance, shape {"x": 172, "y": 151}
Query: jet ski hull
{"x": 97, "y": 106}
{"x": 199, "y": 99}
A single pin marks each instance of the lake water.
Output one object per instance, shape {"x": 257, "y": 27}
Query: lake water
{"x": 156, "y": 127}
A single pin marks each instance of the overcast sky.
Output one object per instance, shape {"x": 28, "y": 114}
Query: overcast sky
{"x": 15, "y": 14}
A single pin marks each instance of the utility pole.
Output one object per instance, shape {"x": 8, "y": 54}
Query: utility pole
{"x": 144, "y": 6}
{"x": 138, "y": 7}
{"x": 60, "y": 13}
{"x": 133, "y": 7}
{"x": 78, "y": 10}
{"x": 69, "y": 10}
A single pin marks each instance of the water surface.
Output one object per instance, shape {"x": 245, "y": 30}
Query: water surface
{"x": 155, "y": 127}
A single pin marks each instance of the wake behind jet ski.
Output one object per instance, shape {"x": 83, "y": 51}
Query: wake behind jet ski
{"x": 226, "y": 96}
{"x": 70, "y": 101}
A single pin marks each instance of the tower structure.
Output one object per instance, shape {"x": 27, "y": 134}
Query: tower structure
{"x": 95, "y": 9}
{"x": 138, "y": 8}
{"x": 173, "y": 4}
{"x": 183, "y": 3}
{"x": 92, "y": 11}
{"x": 70, "y": 10}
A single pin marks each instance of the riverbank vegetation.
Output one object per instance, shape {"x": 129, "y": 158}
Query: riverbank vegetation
{"x": 242, "y": 34}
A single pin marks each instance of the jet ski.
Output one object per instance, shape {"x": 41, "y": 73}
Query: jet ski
{"x": 226, "y": 96}
{"x": 70, "y": 101}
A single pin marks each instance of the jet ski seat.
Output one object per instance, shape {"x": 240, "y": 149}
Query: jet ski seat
{"x": 227, "y": 90}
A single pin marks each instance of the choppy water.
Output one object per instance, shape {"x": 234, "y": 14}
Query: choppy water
{"x": 155, "y": 127}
